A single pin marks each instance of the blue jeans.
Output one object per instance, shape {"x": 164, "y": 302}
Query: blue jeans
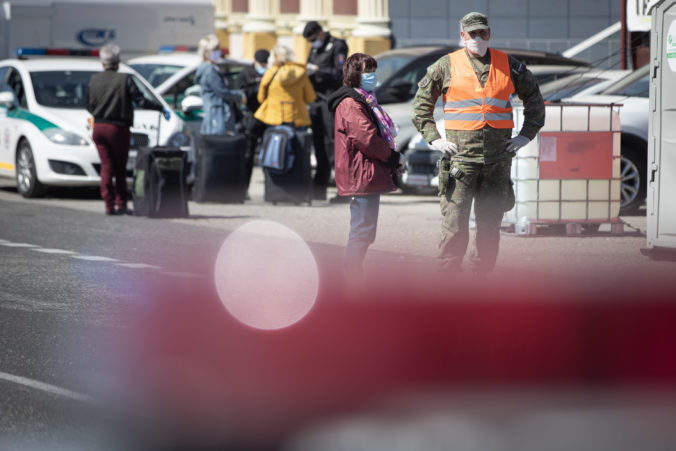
{"x": 363, "y": 224}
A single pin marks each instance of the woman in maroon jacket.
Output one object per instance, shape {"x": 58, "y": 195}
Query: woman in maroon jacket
{"x": 364, "y": 154}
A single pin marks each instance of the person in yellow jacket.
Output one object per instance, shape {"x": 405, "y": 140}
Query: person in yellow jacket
{"x": 285, "y": 91}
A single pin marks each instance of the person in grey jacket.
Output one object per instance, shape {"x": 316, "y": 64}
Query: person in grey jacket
{"x": 217, "y": 97}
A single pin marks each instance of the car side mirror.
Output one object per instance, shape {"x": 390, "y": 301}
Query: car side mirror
{"x": 400, "y": 89}
{"x": 7, "y": 100}
{"x": 191, "y": 104}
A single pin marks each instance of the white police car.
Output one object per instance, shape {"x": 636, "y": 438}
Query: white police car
{"x": 44, "y": 136}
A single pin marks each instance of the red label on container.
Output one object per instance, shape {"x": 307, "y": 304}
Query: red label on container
{"x": 576, "y": 155}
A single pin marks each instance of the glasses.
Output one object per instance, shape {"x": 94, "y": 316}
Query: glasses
{"x": 313, "y": 38}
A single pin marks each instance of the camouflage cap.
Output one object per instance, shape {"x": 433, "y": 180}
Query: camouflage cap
{"x": 474, "y": 21}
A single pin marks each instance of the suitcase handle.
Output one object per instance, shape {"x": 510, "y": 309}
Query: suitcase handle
{"x": 159, "y": 124}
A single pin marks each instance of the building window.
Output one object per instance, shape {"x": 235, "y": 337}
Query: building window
{"x": 346, "y": 7}
{"x": 289, "y": 6}
{"x": 240, "y": 6}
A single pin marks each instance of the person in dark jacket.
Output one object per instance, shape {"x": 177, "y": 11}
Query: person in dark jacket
{"x": 249, "y": 80}
{"x": 325, "y": 68}
{"x": 111, "y": 97}
{"x": 365, "y": 155}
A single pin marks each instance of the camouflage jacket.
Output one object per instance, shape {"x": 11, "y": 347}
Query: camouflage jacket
{"x": 488, "y": 144}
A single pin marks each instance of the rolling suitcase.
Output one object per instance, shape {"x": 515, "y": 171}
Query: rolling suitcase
{"x": 285, "y": 159}
{"x": 221, "y": 174}
{"x": 159, "y": 187}
{"x": 159, "y": 183}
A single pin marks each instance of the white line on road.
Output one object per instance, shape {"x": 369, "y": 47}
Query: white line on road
{"x": 53, "y": 389}
{"x": 52, "y": 251}
{"x": 99, "y": 258}
{"x": 95, "y": 258}
{"x": 138, "y": 266}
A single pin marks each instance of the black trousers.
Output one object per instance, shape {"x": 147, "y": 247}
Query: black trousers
{"x": 322, "y": 135}
{"x": 254, "y": 132}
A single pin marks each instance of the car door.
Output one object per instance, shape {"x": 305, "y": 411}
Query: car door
{"x": 8, "y": 124}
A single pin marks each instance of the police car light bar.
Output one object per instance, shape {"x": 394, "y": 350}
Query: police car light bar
{"x": 23, "y": 52}
{"x": 177, "y": 48}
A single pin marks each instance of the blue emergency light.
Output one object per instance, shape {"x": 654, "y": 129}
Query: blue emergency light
{"x": 24, "y": 52}
{"x": 177, "y": 48}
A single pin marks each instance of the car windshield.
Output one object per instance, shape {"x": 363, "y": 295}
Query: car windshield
{"x": 636, "y": 84}
{"x": 61, "y": 89}
{"x": 68, "y": 89}
{"x": 567, "y": 87}
{"x": 156, "y": 74}
{"x": 389, "y": 65}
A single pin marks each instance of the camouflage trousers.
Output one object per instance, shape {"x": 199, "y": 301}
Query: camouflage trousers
{"x": 489, "y": 186}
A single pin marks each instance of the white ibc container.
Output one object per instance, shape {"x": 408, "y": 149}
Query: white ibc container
{"x": 575, "y": 177}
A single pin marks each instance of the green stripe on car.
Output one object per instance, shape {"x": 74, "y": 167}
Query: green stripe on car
{"x": 40, "y": 122}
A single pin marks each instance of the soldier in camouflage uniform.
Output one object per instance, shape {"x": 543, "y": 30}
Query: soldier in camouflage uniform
{"x": 476, "y": 163}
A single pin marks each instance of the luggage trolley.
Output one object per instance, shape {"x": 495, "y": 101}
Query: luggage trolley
{"x": 569, "y": 174}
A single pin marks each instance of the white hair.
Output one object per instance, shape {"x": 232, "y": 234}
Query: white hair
{"x": 280, "y": 54}
{"x": 207, "y": 45}
{"x": 109, "y": 55}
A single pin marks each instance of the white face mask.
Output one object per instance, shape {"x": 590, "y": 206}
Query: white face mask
{"x": 477, "y": 46}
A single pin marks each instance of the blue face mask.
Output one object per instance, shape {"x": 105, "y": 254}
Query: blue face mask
{"x": 261, "y": 70}
{"x": 317, "y": 43}
{"x": 368, "y": 81}
{"x": 215, "y": 55}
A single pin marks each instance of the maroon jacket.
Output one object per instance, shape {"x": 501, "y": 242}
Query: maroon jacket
{"x": 363, "y": 158}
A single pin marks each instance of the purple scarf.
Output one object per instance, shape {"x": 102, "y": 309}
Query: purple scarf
{"x": 387, "y": 128}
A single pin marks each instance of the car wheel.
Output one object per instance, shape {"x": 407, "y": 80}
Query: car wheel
{"x": 27, "y": 182}
{"x": 633, "y": 184}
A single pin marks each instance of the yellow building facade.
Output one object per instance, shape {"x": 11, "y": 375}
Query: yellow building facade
{"x": 244, "y": 26}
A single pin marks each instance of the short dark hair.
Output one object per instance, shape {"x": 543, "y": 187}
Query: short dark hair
{"x": 262, "y": 56}
{"x": 354, "y": 66}
{"x": 311, "y": 28}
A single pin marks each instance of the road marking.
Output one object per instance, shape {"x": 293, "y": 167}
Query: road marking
{"x": 95, "y": 258}
{"x": 99, "y": 258}
{"x": 138, "y": 266}
{"x": 53, "y": 389}
{"x": 10, "y": 244}
{"x": 52, "y": 251}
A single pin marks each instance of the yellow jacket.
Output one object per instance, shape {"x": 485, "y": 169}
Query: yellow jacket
{"x": 291, "y": 85}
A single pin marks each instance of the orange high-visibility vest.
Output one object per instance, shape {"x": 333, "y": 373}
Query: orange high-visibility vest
{"x": 468, "y": 106}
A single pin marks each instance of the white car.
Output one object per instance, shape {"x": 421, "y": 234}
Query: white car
{"x": 45, "y": 136}
{"x": 172, "y": 72}
{"x": 580, "y": 84}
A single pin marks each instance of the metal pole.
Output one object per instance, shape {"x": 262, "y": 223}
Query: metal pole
{"x": 623, "y": 34}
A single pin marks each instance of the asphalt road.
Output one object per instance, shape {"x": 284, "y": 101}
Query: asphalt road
{"x": 107, "y": 323}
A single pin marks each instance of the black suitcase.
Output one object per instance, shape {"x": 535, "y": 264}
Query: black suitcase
{"x": 221, "y": 174}
{"x": 159, "y": 183}
{"x": 295, "y": 183}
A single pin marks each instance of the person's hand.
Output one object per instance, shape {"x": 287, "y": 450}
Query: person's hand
{"x": 311, "y": 68}
{"x": 517, "y": 143}
{"x": 166, "y": 113}
{"x": 444, "y": 146}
